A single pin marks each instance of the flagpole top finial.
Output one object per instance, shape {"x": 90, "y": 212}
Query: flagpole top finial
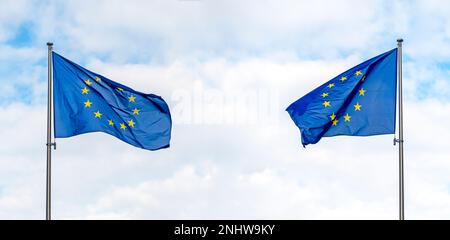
{"x": 400, "y": 40}
{"x": 49, "y": 44}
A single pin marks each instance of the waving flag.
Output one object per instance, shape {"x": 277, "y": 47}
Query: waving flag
{"x": 358, "y": 102}
{"x": 88, "y": 102}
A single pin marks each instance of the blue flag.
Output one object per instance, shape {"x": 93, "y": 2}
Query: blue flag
{"x": 88, "y": 102}
{"x": 358, "y": 102}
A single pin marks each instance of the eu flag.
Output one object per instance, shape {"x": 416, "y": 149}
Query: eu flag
{"x": 88, "y": 102}
{"x": 358, "y": 102}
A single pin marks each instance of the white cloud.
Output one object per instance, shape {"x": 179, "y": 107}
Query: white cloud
{"x": 12, "y": 14}
{"x": 164, "y": 30}
{"x": 22, "y": 77}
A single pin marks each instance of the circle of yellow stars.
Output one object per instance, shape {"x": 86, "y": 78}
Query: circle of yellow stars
{"x": 357, "y": 107}
{"x": 97, "y": 114}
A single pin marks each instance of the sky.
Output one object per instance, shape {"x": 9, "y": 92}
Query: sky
{"x": 227, "y": 69}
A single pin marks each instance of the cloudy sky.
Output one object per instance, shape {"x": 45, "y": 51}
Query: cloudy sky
{"x": 227, "y": 69}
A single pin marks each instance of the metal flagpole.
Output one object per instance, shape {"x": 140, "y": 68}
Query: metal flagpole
{"x": 400, "y": 133}
{"x": 49, "y": 135}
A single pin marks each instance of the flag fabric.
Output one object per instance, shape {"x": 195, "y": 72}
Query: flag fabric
{"x": 358, "y": 102}
{"x": 88, "y": 102}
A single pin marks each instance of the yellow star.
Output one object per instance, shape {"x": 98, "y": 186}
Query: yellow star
{"x": 357, "y": 106}
{"x": 84, "y": 90}
{"x": 131, "y": 123}
{"x": 97, "y": 79}
{"x": 110, "y": 122}
{"x": 362, "y": 92}
{"x": 98, "y": 114}
{"x": 131, "y": 98}
{"x": 87, "y": 103}
{"x": 343, "y": 78}
{"x": 136, "y": 111}
{"x": 123, "y": 126}
{"x": 347, "y": 118}
{"x": 326, "y": 103}
{"x": 357, "y": 73}
{"x": 335, "y": 121}
{"x": 325, "y": 94}
{"x": 333, "y": 116}
{"x": 120, "y": 89}
{"x": 88, "y": 82}
{"x": 330, "y": 85}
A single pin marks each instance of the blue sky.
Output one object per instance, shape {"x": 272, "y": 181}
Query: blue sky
{"x": 224, "y": 48}
{"x": 203, "y": 30}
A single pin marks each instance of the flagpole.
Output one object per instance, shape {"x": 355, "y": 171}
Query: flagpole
{"x": 400, "y": 125}
{"x": 49, "y": 135}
